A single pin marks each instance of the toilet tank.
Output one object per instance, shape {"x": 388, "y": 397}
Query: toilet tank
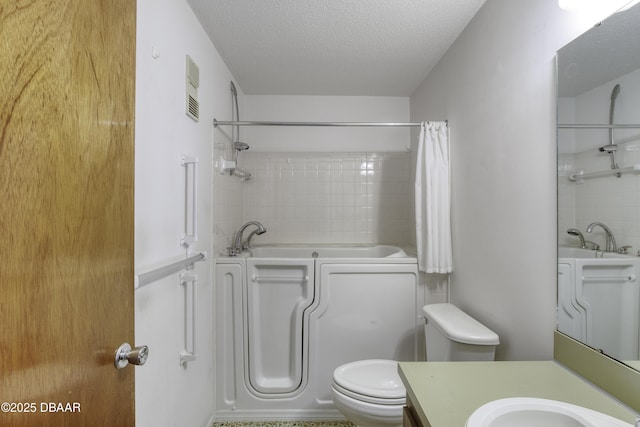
{"x": 453, "y": 335}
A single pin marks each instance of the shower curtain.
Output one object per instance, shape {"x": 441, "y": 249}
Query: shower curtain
{"x": 433, "y": 223}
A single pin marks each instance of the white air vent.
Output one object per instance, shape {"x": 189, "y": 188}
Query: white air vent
{"x": 192, "y": 83}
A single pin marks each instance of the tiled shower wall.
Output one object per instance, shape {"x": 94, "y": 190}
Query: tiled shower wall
{"x": 325, "y": 198}
{"x": 613, "y": 201}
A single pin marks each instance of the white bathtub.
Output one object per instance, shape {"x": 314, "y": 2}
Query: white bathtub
{"x": 320, "y": 251}
{"x": 597, "y": 293}
{"x": 287, "y": 316}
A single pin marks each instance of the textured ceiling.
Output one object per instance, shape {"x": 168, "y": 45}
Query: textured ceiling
{"x": 333, "y": 47}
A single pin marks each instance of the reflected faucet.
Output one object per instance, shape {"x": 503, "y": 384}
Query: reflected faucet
{"x": 246, "y": 245}
{"x": 611, "y": 245}
{"x": 237, "y": 246}
{"x": 578, "y": 234}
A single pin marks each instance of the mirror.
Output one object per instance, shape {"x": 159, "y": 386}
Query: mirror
{"x": 598, "y": 77}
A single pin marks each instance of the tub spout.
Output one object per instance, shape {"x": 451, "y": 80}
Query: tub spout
{"x": 237, "y": 246}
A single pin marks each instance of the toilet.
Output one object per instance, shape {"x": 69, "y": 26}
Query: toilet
{"x": 370, "y": 393}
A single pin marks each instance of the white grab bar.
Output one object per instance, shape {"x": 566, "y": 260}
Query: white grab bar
{"x": 157, "y": 274}
{"x": 258, "y": 279}
{"x": 629, "y": 278}
{"x": 189, "y": 353}
{"x": 190, "y": 234}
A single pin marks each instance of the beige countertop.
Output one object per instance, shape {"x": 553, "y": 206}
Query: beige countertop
{"x": 446, "y": 393}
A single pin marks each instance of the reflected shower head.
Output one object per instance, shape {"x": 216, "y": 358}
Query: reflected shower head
{"x": 574, "y": 231}
{"x": 240, "y": 146}
{"x": 615, "y": 92}
{"x": 611, "y": 148}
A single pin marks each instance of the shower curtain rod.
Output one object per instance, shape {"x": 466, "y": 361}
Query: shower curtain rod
{"x": 598, "y": 126}
{"x": 217, "y": 123}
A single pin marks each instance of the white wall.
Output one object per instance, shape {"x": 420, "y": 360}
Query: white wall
{"x": 167, "y": 393}
{"x": 496, "y": 86}
{"x": 326, "y": 109}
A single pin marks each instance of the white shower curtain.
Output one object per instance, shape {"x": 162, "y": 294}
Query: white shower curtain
{"x": 433, "y": 222}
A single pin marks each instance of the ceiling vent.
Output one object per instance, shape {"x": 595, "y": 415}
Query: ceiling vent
{"x": 192, "y": 83}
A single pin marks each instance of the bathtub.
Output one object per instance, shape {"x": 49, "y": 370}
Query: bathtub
{"x": 307, "y": 251}
{"x": 288, "y": 315}
{"x": 597, "y": 293}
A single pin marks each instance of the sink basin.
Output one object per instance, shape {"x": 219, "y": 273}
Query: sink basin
{"x": 530, "y": 412}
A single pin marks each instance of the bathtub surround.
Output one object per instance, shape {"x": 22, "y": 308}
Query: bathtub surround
{"x": 432, "y": 199}
{"x": 333, "y": 184}
{"x": 329, "y": 198}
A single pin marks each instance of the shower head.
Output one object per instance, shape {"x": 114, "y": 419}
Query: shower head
{"x": 611, "y": 148}
{"x": 233, "y": 89}
{"x": 615, "y": 92}
{"x": 240, "y": 146}
{"x": 578, "y": 234}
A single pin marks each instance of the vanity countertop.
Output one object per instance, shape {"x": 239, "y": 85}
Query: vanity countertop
{"x": 444, "y": 394}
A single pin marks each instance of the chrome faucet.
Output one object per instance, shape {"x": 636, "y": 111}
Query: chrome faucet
{"x": 246, "y": 245}
{"x": 611, "y": 245}
{"x": 237, "y": 246}
{"x": 578, "y": 234}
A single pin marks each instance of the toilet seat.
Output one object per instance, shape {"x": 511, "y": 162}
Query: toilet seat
{"x": 363, "y": 398}
{"x": 374, "y": 381}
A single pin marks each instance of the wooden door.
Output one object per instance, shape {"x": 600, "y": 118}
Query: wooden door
{"x": 66, "y": 211}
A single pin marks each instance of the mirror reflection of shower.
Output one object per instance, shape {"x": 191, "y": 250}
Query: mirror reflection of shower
{"x": 612, "y": 147}
{"x": 238, "y": 146}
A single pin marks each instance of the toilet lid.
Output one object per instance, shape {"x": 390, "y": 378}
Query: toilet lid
{"x": 376, "y": 378}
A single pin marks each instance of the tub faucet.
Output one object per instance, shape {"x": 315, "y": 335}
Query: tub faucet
{"x": 611, "y": 245}
{"x": 237, "y": 246}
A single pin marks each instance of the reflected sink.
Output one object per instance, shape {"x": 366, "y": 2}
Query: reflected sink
{"x": 530, "y": 412}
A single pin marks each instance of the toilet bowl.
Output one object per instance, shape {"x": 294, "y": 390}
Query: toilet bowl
{"x": 370, "y": 393}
